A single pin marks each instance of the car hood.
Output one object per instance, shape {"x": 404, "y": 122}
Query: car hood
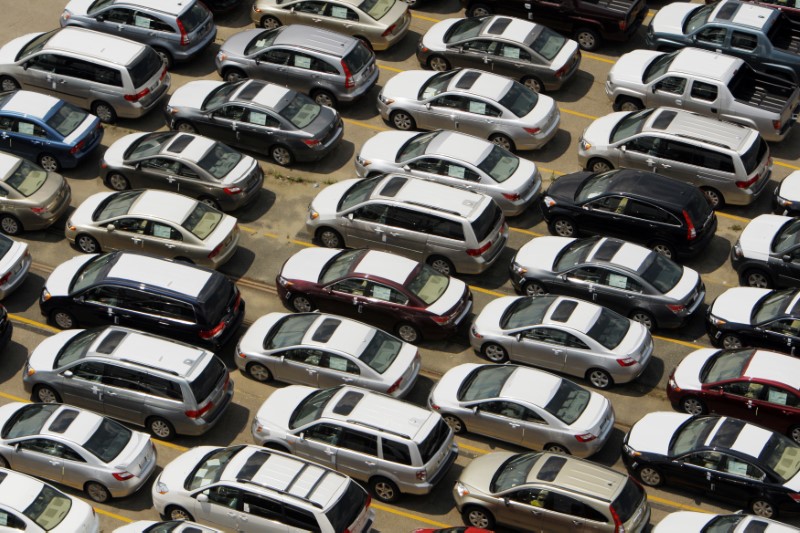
{"x": 79, "y": 7}
{"x": 236, "y": 43}
{"x": 489, "y": 318}
{"x": 434, "y": 37}
{"x": 444, "y": 393}
{"x": 326, "y": 202}
{"x": 652, "y": 433}
{"x": 451, "y": 297}
{"x": 174, "y": 473}
{"x": 629, "y": 69}
{"x": 60, "y": 279}
{"x": 307, "y": 264}
{"x": 687, "y": 373}
{"x": 756, "y": 239}
{"x": 385, "y": 145}
{"x": 598, "y": 133}
{"x": 683, "y": 521}
{"x": 479, "y": 472}
{"x": 564, "y": 187}
{"x": 82, "y": 216}
{"x": 9, "y": 51}
{"x": 407, "y": 84}
{"x": 541, "y": 252}
{"x": 44, "y": 355}
{"x": 115, "y": 154}
{"x": 193, "y": 94}
{"x": 789, "y": 189}
{"x": 276, "y": 411}
{"x": 669, "y": 19}
{"x": 253, "y": 339}
{"x": 736, "y": 304}
{"x": 685, "y": 285}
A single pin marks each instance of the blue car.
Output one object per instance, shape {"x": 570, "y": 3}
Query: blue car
{"x": 47, "y": 130}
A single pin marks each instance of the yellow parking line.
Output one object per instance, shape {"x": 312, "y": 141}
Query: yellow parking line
{"x": 733, "y": 217}
{"x": 598, "y": 58}
{"x": 552, "y": 171}
{"x": 577, "y": 113}
{"x": 473, "y": 449}
{"x": 170, "y": 445}
{"x": 248, "y": 230}
{"x": 28, "y": 321}
{"x": 787, "y": 165}
{"x": 526, "y": 232}
{"x": 412, "y": 516}
{"x": 688, "y": 344}
{"x": 114, "y": 516}
{"x": 384, "y": 67}
{"x": 423, "y": 17}
{"x": 13, "y": 398}
{"x": 364, "y": 124}
{"x": 678, "y": 505}
{"x": 486, "y": 291}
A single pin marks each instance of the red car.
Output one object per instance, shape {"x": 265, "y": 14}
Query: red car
{"x": 388, "y": 291}
{"x": 759, "y": 386}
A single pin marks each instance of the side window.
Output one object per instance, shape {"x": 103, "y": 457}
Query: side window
{"x": 262, "y": 506}
{"x": 145, "y": 21}
{"x": 442, "y": 227}
{"x": 259, "y": 118}
{"x": 340, "y": 364}
{"x": 29, "y": 128}
{"x": 111, "y": 296}
{"x": 232, "y": 112}
{"x": 162, "y": 307}
{"x": 704, "y": 91}
{"x": 478, "y": 107}
{"x": 611, "y": 204}
{"x": 360, "y": 442}
{"x": 477, "y": 45}
{"x": 548, "y": 335}
{"x": 586, "y": 274}
{"x": 11, "y": 521}
{"x": 649, "y": 212}
{"x": 341, "y": 12}
{"x": 45, "y": 62}
{"x": 672, "y": 85}
{"x": 163, "y": 388}
{"x": 372, "y": 213}
{"x": 434, "y": 166}
{"x": 712, "y": 36}
{"x": 780, "y": 396}
{"x": 225, "y": 496}
{"x": 574, "y": 342}
{"x": 450, "y": 101}
{"x": 534, "y": 497}
{"x": 737, "y": 467}
{"x": 316, "y": 8}
{"x": 187, "y": 172}
{"x": 326, "y": 433}
{"x": 405, "y": 219}
{"x": 89, "y": 71}
{"x": 745, "y": 389}
{"x": 387, "y": 294}
{"x": 713, "y": 160}
{"x": 119, "y": 15}
{"x": 65, "y": 452}
{"x": 305, "y": 356}
{"x": 164, "y": 231}
{"x": 621, "y": 281}
{"x": 162, "y": 164}
{"x": 123, "y": 378}
{"x": 43, "y": 446}
{"x": 509, "y": 51}
{"x": 6, "y": 123}
{"x": 300, "y": 518}
{"x": 561, "y": 503}
{"x": 277, "y": 57}
{"x": 323, "y": 66}
{"x": 744, "y": 41}
{"x": 89, "y": 371}
{"x": 397, "y": 452}
{"x": 356, "y": 287}
{"x": 786, "y": 327}
{"x": 710, "y": 460}
{"x": 644, "y": 145}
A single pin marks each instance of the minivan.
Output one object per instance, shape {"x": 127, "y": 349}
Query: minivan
{"x": 111, "y": 76}
{"x": 452, "y": 229}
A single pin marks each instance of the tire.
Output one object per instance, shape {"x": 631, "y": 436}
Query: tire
{"x": 626, "y": 103}
{"x": 158, "y": 427}
{"x": 408, "y": 332}
{"x": 503, "y": 141}
{"x": 588, "y": 39}
{"x": 662, "y": 248}
{"x": 185, "y": 127}
{"x": 439, "y": 63}
{"x": 97, "y": 492}
{"x": 302, "y": 303}
{"x": 563, "y": 227}
{"x": 7, "y": 83}
{"x": 693, "y": 405}
{"x": 87, "y": 244}
{"x": 63, "y": 319}
{"x": 174, "y": 512}
{"x": 402, "y": 121}
{"x": 478, "y": 517}
{"x": 794, "y": 434}
{"x": 45, "y": 394}
{"x": 556, "y": 448}
{"x": 210, "y": 202}
{"x": 644, "y": 318}
{"x": 713, "y": 197}
{"x": 455, "y": 424}
{"x": 269, "y": 23}
{"x": 259, "y": 372}
{"x": 494, "y": 352}
{"x": 384, "y": 490}
{"x": 755, "y": 277}
{"x": 763, "y": 508}
{"x": 166, "y": 57}
{"x": 49, "y": 162}
{"x": 233, "y": 75}
{"x": 599, "y": 378}
{"x": 330, "y": 238}
{"x": 105, "y": 112}
{"x": 599, "y": 164}
{"x": 281, "y": 155}
{"x": 442, "y": 265}
{"x": 479, "y": 10}
{"x": 10, "y": 225}
{"x": 324, "y": 98}
{"x": 650, "y": 476}
{"x": 730, "y": 341}
{"x": 533, "y": 83}
{"x": 534, "y": 288}
{"x": 118, "y": 182}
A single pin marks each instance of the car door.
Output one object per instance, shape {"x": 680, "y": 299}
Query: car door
{"x": 451, "y": 173}
{"x": 344, "y": 19}
{"x": 499, "y": 419}
{"x": 619, "y": 291}
{"x": 188, "y": 182}
{"x": 735, "y": 398}
{"x": 166, "y": 240}
{"x": 406, "y": 232}
{"x": 736, "y": 480}
{"x": 124, "y": 233}
{"x": 344, "y": 297}
{"x": 319, "y": 443}
{"x": 335, "y": 370}
{"x": 365, "y": 226}
{"x": 29, "y": 139}
{"x": 384, "y": 306}
{"x": 646, "y": 222}
{"x": 442, "y": 112}
{"x": 580, "y": 282}
{"x": 83, "y": 386}
{"x": 641, "y": 153}
{"x": 308, "y": 12}
{"x": 222, "y": 506}
{"x": 39, "y": 74}
{"x": 531, "y": 509}
{"x": 513, "y": 61}
{"x": 6, "y": 131}
{"x": 710, "y": 37}
{"x": 786, "y": 266}
{"x": 703, "y": 98}
{"x": 98, "y": 306}
{"x": 159, "y": 314}
{"x": 40, "y": 456}
{"x": 280, "y": 66}
{"x": 262, "y": 514}
{"x": 300, "y": 366}
{"x": 697, "y": 166}
{"x": 258, "y": 131}
{"x": 693, "y": 471}
{"x": 116, "y": 20}
{"x": 124, "y": 394}
{"x": 603, "y": 216}
{"x": 478, "y": 118}
{"x": 158, "y": 172}
{"x": 222, "y": 124}
{"x": 357, "y": 455}
{"x": 782, "y": 335}
{"x": 778, "y": 408}
{"x": 540, "y": 346}
{"x": 475, "y": 53}
{"x": 669, "y": 91}
{"x": 551, "y": 13}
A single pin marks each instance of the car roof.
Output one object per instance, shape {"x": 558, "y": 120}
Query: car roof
{"x": 385, "y": 265}
{"x": 747, "y": 14}
{"x": 98, "y": 45}
{"x": 8, "y": 162}
{"x": 31, "y": 104}
{"x": 580, "y": 476}
{"x": 79, "y": 430}
{"x": 433, "y": 195}
{"x": 520, "y": 386}
{"x": 166, "y": 205}
{"x": 738, "y": 436}
{"x": 18, "y": 491}
{"x": 582, "y": 316}
{"x": 460, "y": 146}
{"x": 617, "y": 252}
{"x": 171, "y": 7}
{"x": 487, "y": 85}
{"x": 192, "y": 151}
{"x": 173, "y": 276}
{"x": 510, "y": 28}
{"x": 312, "y": 38}
{"x": 350, "y": 336}
{"x": 774, "y": 367}
{"x": 706, "y": 130}
{"x": 661, "y": 190}
{"x": 704, "y": 63}
{"x": 269, "y": 96}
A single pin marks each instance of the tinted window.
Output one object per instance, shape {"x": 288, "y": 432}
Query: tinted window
{"x": 161, "y": 387}
{"x": 704, "y": 91}
{"x": 434, "y": 441}
{"x": 289, "y": 331}
{"x": 145, "y": 67}
{"x": 513, "y": 472}
{"x": 28, "y": 420}
{"x": 630, "y": 125}
{"x": 123, "y": 378}
{"x": 745, "y": 41}
{"x": 360, "y": 442}
{"x": 628, "y": 500}
{"x": 548, "y": 43}
{"x": 396, "y": 452}
{"x": 301, "y": 519}
{"x": 193, "y": 18}
{"x": 219, "y": 160}
{"x": 569, "y": 402}
{"x": 660, "y": 272}
{"x": 609, "y": 329}
{"x": 358, "y": 58}
{"x": 649, "y": 212}
{"x": 311, "y": 407}
{"x": 381, "y": 351}
{"x": 755, "y": 155}
{"x": 344, "y": 512}
{"x": 428, "y": 284}
{"x": 526, "y": 312}
{"x": 519, "y": 99}
{"x": 203, "y": 385}
{"x": 484, "y": 382}
{"x": 487, "y": 221}
{"x": 76, "y": 348}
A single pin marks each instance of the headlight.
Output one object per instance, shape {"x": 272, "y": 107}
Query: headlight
{"x": 363, "y": 162}
{"x": 161, "y": 487}
{"x": 548, "y": 201}
{"x": 627, "y": 450}
{"x": 783, "y": 202}
{"x": 737, "y": 249}
{"x": 716, "y": 321}
{"x": 45, "y": 294}
{"x": 221, "y": 56}
{"x": 461, "y": 489}
{"x": 313, "y": 215}
{"x": 384, "y": 100}
{"x": 584, "y": 145}
{"x": 28, "y": 370}
{"x": 283, "y": 282}
{"x": 519, "y": 269}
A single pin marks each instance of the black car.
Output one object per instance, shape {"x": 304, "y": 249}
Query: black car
{"x": 219, "y": 7}
{"x": 767, "y": 254}
{"x": 750, "y": 316}
{"x": 669, "y": 216}
{"x": 170, "y": 298}
{"x": 724, "y": 458}
{"x": 6, "y": 327}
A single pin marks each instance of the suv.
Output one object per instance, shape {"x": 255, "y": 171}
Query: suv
{"x": 558, "y": 492}
{"x": 169, "y": 297}
{"x": 166, "y": 386}
{"x": 177, "y": 30}
{"x": 107, "y": 74}
{"x": 730, "y": 163}
{"x": 453, "y": 230}
{"x": 392, "y": 445}
{"x": 252, "y": 490}
{"x": 328, "y": 66}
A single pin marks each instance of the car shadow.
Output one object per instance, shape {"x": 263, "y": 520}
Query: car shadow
{"x": 788, "y": 148}
{"x": 14, "y": 357}
{"x": 405, "y": 49}
{"x": 364, "y": 108}
{"x": 257, "y": 208}
{"x": 200, "y": 66}
{"x": 575, "y": 89}
{"x": 239, "y": 264}
{"x": 557, "y": 147}
{"x": 714, "y": 256}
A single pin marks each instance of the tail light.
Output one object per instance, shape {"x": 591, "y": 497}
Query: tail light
{"x": 39, "y": 210}
{"x": 563, "y": 70}
{"x": 441, "y": 319}
{"x": 232, "y": 190}
{"x": 676, "y": 308}
{"x": 435, "y": 407}
{"x": 626, "y": 361}
{"x": 138, "y": 96}
{"x": 748, "y": 183}
{"x": 103, "y": 165}
{"x": 349, "y": 82}
{"x": 795, "y": 496}
{"x": 395, "y": 386}
{"x": 389, "y": 30}
{"x": 623, "y": 24}
{"x": 5, "y": 278}
{"x": 184, "y": 36}
{"x": 422, "y": 475}
{"x": 585, "y": 437}
{"x": 475, "y": 333}
{"x": 618, "y": 526}
{"x": 475, "y": 252}
{"x": 216, "y": 331}
{"x": 199, "y": 412}
{"x": 532, "y": 131}
{"x": 77, "y": 148}
{"x": 122, "y": 476}
{"x": 163, "y": 73}
{"x": 776, "y": 124}
{"x": 311, "y": 142}
{"x": 511, "y": 196}
{"x": 691, "y": 233}
{"x": 215, "y": 251}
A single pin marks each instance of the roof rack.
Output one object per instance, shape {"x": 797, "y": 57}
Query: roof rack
{"x": 285, "y": 492}
{"x": 382, "y": 430}
{"x": 441, "y": 210}
{"x": 153, "y": 367}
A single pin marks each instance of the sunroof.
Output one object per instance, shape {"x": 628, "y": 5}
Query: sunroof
{"x": 325, "y": 330}
{"x": 564, "y": 310}
{"x": 499, "y": 26}
{"x": 727, "y": 433}
{"x": 249, "y": 91}
{"x": 111, "y": 341}
{"x": 348, "y": 403}
{"x": 468, "y": 80}
{"x": 181, "y": 141}
{"x": 63, "y": 421}
{"x": 551, "y": 468}
{"x": 607, "y": 250}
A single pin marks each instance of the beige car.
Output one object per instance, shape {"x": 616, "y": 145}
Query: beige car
{"x": 379, "y": 23}
{"x": 31, "y": 198}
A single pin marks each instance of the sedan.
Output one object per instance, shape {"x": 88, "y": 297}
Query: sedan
{"x": 454, "y": 159}
{"x": 786, "y": 200}
{"x": 523, "y": 406}
{"x": 392, "y": 292}
{"x": 160, "y": 223}
{"x": 75, "y": 447}
{"x": 31, "y": 198}
{"x": 538, "y": 57}
{"x": 630, "y": 279}
{"x": 702, "y": 522}
{"x": 169, "y": 526}
{"x": 767, "y": 253}
{"x": 755, "y": 385}
{"x": 324, "y": 351}
{"x": 724, "y": 458}
{"x": 749, "y": 316}
{"x": 259, "y": 116}
{"x": 565, "y": 335}
{"x": 478, "y": 103}
{"x": 15, "y": 262}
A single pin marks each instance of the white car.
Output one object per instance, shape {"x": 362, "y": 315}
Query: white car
{"x": 30, "y": 505}
{"x": 169, "y": 526}
{"x": 693, "y": 522}
{"x": 15, "y": 262}
{"x": 767, "y": 253}
{"x": 787, "y": 195}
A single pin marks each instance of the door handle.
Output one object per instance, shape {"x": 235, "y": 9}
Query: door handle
{"x": 311, "y": 372}
{"x": 377, "y": 230}
{"x": 111, "y": 393}
{"x": 513, "y": 425}
{"x": 650, "y": 162}
{"x": 350, "y": 380}
{"x": 576, "y": 522}
{"x": 137, "y": 240}
{"x": 664, "y": 165}
{"x": 328, "y": 451}
{"x": 55, "y": 463}
{"x": 370, "y": 463}
{"x": 168, "y": 245}
{"x": 393, "y": 234}
{"x": 713, "y": 109}
{"x": 535, "y": 513}
{"x": 678, "y": 101}
{"x": 317, "y": 20}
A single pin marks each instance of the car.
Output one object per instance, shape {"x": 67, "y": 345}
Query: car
{"x": 160, "y": 223}
{"x": 15, "y": 263}
{"x": 662, "y": 213}
{"x": 533, "y": 54}
{"x": 751, "y": 316}
{"x": 392, "y": 292}
{"x": 169, "y": 526}
{"x": 724, "y": 458}
{"x": 767, "y": 253}
{"x": 32, "y": 198}
{"x": 393, "y": 446}
{"x": 173, "y": 298}
{"x": 30, "y": 505}
{"x": 565, "y": 335}
{"x": 627, "y": 278}
{"x": 178, "y": 30}
{"x": 786, "y": 200}
{"x": 451, "y": 529}
{"x": 324, "y": 350}
{"x": 221, "y": 7}
{"x": 456, "y": 159}
{"x": 478, "y": 103}
{"x": 379, "y": 25}
{"x": 75, "y": 447}
{"x": 258, "y": 116}
{"x": 523, "y": 406}
{"x": 695, "y": 522}
{"x": 755, "y": 385}
{"x": 6, "y": 327}
{"x": 48, "y": 130}
{"x": 557, "y": 492}
{"x": 186, "y": 163}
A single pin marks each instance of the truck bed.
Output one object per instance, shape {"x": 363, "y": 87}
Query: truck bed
{"x": 785, "y": 35}
{"x": 623, "y": 7}
{"x": 766, "y": 92}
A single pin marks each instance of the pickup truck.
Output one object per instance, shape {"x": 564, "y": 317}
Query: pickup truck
{"x": 762, "y": 36}
{"x": 790, "y": 8}
{"x": 709, "y": 83}
{"x": 588, "y": 22}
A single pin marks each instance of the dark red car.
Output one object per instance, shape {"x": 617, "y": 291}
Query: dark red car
{"x": 388, "y": 291}
{"x": 755, "y": 385}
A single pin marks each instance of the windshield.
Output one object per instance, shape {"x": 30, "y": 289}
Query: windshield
{"x": 311, "y": 407}
{"x": 548, "y": 43}
{"x": 569, "y": 402}
{"x": 519, "y": 99}
{"x": 526, "y": 311}
{"x": 29, "y": 420}
{"x": 376, "y": 8}
{"x": 436, "y": 84}
{"x": 359, "y": 192}
{"x": 49, "y": 508}
{"x": 772, "y": 305}
{"x": 574, "y": 254}
{"x": 289, "y": 331}
{"x": 27, "y": 178}
{"x": 484, "y": 382}
{"x": 148, "y": 145}
{"x": 692, "y": 434}
{"x": 116, "y": 204}
{"x": 428, "y": 284}
{"x": 220, "y": 160}
{"x": 725, "y": 365}
{"x": 781, "y": 455}
{"x": 67, "y": 119}
{"x": 339, "y": 265}
{"x": 301, "y": 111}
{"x": 660, "y": 272}
{"x": 466, "y": 28}
{"x": 658, "y": 66}
{"x": 108, "y": 441}
{"x": 727, "y": 524}
{"x": 35, "y": 44}
{"x": 416, "y": 146}
{"x": 210, "y": 469}
{"x": 90, "y": 272}
{"x": 697, "y": 18}
{"x": 263, "y": 40}
{"x": 220, "y": 95}
{"x": 594, "y": 186}
{"x": 513, "y": 472}
{"x": 202, "y": 221}
{"x": 630, "y": 124}
{"x": 609, "y": 329}
{"x": 76, "y": 347}
{"x": 499, "y": 164}
{"x": 381, "y": 351}
{"x": 787, "y": 237}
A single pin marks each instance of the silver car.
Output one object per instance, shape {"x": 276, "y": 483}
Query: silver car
{"x": 470, "y": 101}
{"x": 564, "y": 335}
{"x": 169, "y": 526}
{"x": 75, "y": 447}
{"x": 160, "y": 223}
{"x": 326, "y": 350}
{"x": 523, "y": 406}
{"x": 15, "y": 263}
{"x": 31, "y": 198}
{"x": 454, "y": 159}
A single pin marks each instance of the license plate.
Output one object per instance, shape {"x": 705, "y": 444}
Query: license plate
{"x": 153, "y": 87}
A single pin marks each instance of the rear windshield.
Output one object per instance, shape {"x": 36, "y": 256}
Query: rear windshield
{"x": 782, "y": 455}
{"x": 193, "y": 18}
{"x": 204, "y": 384}
{"x": 429, "y": 284}
{"x": 311, "y": 407}
{"x": 698, "y": 208}
{"x": 660, "y": 272}
{"x": 343, "y": 513}
{"x": 376, "y": 8}
{"x": 434, "y": 441}
{"x": 144, "y": 67}
{"x": 381, "y": 351}
{"x": 358, "y": 58}
{"x": 27, "y": 178}
{"x": 115, "y": 205}
{"x": 610, "y": 328}
{"x": 628, "y": 501}
{"x": 754, "y": 155}
{"x": 202, "y": 221}
{"x": 466, "y": 28}
{"x": 108, "y": 441}
{"x": 301, "y": 111}
{"x": 76, "y": 347}
{"x": 519, "y": 99}
{"x": 725, "y": 365}
{"x": 220, "y": 160}
{"x": 631, "y": 124}
{"x": 499, "y": 164}
{"x": 487, "y": 222}
{"x": 569, "y": 402}
{"x": 548, "y": 43}
{"x": 67, "y": 119}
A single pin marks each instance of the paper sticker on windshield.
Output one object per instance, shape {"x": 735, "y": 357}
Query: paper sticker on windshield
{"x": 141, "y": 22}
{"x": 302, "y": 61}
{"x": 25, "y": 127}
{"x": 163, "y": 232}
{"x": 477, "y": 107}
{"x": 617, "y": 280}
{"x": 455, "y": 171}
{"x": 776, "y": 396}
{"x": 511, "y": 52}
{"x": 339, "y": 12}
{"x": 381, "y": 293}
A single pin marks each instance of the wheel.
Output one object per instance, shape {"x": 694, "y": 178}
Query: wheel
{"x": 662, "y": 248}
{"x": 87, "y": 244}
{"x": 269, "y": 22}
{"x": 794, "y": 433}
{"x": 160, "y": 428}
{"x": 118, "y": 182}
{"x": 563, "y": 227}
{"x": 330, "y": 238}
{"x": 494, "y": 352}
{"x": 104, "y": 112}
{"x": 588, "y": 39}
{"x": 731, "y": 342}
{"x": 302, "y": 304}
{"x": 234, "y": 74}
{"x": 48, "y": 162}
{"x": 644, "y": 318}
{"x": 479, "y": 10}
{"x": 178, "y": 513}
{"x": 599, "y": 378}
{"x": 442, "y": 264}
{"x": 763, "y": 508}
{"x": 8, "y": 83}
{"x": 259, "y": 372}
{"x": 556, "y": 448}
{"x": 402, "y": 121}
{"x": 210, "y": 202}
{"x": 533, "y": 83}
{"x": 166, "y": 57}
{"x": 626, "y": 103}
{"x": 650, "y": 476}
{"x": 384, "y": 489}
{"x": 599, "y": 165}
{"x": 455, "y": 423}
{"x": 281, "y": 155}
{"x": 713, "y": 197}
{"x": 324, "y": 98}
{"x": 757, "y": 278}
{"x": 478, "y": 517}
{"x": 185, "y": 127}
{"x": 97, "y": 492}
{"x": 503, "y": 141}
{"x": 534, "y": 288}
{"x": 438, "y": 63}
{"x": 63, "y": 319}
{"x": 694, "y": 405}
{"x": 10, "y": 225}
{"x": 408, "y": 332}
{"x": 45, "y": 394}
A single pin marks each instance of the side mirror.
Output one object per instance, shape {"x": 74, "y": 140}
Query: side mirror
{"x": 787, "y": 258}
{"x": 25, "y": 65}
{"x": 328, "y": 289}
{"x": 624, "y": 147}
{"x": 406, "y": 168}
{"x": 100, "y": 18}
{"x": 506, "y": 501}
{"x": 283, "y": 358}
{"x": 302, "y": 435}
{"x": 111, "y": 227}
{"x": 68, "y": 374}
{"x": 138, "y": 165}
{"x": 79, "y": 299}
{"x": 428, "y": 105}
{"x": 17, "y": 446}
{"x": 475, "y": 409}
{"x": 518, "y": 336}
{"x": 563, "y": 277}
{"x": 349, "y": 216}
{"x": 202, "y": 498}
{"x": 653, "y": 89}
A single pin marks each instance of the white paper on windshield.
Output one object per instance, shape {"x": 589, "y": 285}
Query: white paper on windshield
{"x": 776, "y": 396}
{"x": 161, "y": 231}
{"x": 3, "y": 519}
{"x": 455, "y": 171}
{"x": 735, "y": 467}
{"x": 258, "y": 118}
{"x": 141, "y": 22}
{"x": 302, "y": 61}
{"x": 509, "y": 51}
{"x": 617, "y": 280}
{"x": 25, "y": 127}
{"x": 261, "y": 43}
{"x": 381, "y": 293}
{"x": 339, "y": 12}
{"x": 477, "y": 107}
{"x": 336, "y": 363}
